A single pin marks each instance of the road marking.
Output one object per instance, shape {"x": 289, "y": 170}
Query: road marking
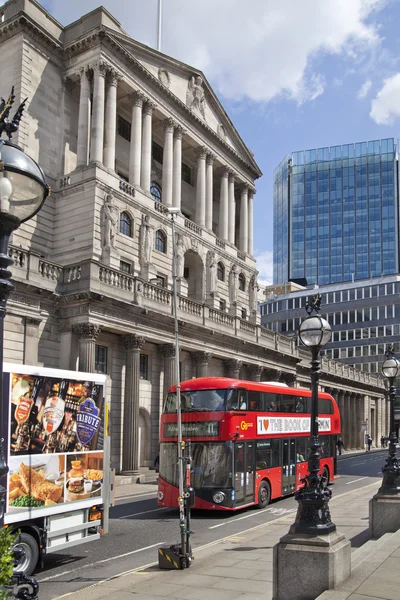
{"x": 214, "y": 543}
{"x": 135, "y": 496}
{"x": 99, "y": 562}
{"x": 146, "y": 512}
{"x": 361, "y": 463}
{"x": 355, "y": 480}
{"x": 274, "y": 511}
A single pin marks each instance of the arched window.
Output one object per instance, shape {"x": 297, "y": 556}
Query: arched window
{"x": 125, "y": 224}
{"x": 155, "y": 191}
{"x": 161, "y": 241}
{"x": 220, "y": 272}
{"x": 242, "y": 282}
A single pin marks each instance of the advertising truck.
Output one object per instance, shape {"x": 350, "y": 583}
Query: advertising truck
{"x": 58, "y": 453}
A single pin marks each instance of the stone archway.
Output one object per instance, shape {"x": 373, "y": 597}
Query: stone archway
{"x": 144, "y": 439}
{"x": 194, "y": 275}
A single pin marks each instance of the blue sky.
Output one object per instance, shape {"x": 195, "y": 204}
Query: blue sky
{"x": 292, "y": 75}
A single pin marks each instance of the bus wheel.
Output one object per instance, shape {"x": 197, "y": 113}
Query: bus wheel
{"x": 30, "y": 558}
{"x": 325, "y": 476}
{"x": 264, "y": 494}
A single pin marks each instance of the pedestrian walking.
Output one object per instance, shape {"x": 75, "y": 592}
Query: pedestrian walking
{"x": 340, "y": 446}
{"x": 382, "y": 442}
{"x": 369, "y": 442}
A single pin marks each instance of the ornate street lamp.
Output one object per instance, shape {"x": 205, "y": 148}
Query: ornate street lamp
{"x": 391, "y": 469}
{"x": 23, "y": 190}
{"x": 313, "y": 514}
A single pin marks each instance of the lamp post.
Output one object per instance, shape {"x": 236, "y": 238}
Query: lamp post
{"x": 391, "y": 469}
{"x": 23, "y": 190}
{"x": 313, "y": 515}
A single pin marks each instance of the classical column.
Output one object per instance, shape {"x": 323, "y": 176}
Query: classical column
{"x": 31, "y": 340}
{"x": 244, "y": 229}
{"x": 347, "y": 421}
{"x": 233, "y": 366}
{"x": 177, "y": 178}
{"x": 168, "y": 351}
{"x": 87, "y": 334}
{"x": 130, "y": 442}
{"x": 83, "y": 119}
{"x": 223, "y": 205}
{"x": 209, "y": 190}
{"x": 147, "y": 139}
{"x": 135, "y": 153}
{"x": 256, "y": 372}
{"x": 201, "y": 187}
{"x": 341, "y": 410}
{"x": 202, "y": 359}
{"x": 110, "y": 130}
{"x": 361, "y": 407}
{"x": 250, "y": 223}
{"x": 231, "y": 208}
{"x": 97, "y": 142}
{"x": 169, "y": 126}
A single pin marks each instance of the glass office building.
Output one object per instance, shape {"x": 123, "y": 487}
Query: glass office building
{"x": 336, "y": 214}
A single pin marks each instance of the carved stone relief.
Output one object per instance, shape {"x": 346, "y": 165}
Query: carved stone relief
{"x": 164, "y": 77}
{"x": 195, "y": 96}
{"x": 109, "y": 222}
{"x": 221, "y": 131}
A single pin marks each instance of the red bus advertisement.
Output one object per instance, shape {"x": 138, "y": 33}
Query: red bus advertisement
{"x": 249, "y": 441}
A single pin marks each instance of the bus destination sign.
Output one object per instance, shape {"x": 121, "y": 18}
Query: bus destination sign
{"x": 190, "y": 430}
{"x": 289, "y": 425}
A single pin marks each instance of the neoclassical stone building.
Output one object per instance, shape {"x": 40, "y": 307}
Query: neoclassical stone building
{"x": 123, "y": 132}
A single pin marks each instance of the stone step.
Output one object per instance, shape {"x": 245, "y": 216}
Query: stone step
{"x": 367, "y": 549}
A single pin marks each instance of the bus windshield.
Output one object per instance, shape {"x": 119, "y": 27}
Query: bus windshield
{"x": 197, "y": 400}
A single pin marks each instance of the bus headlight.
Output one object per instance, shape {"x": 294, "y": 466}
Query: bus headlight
{"x": 219, "y": 497}
{"x": 160, "y": 495}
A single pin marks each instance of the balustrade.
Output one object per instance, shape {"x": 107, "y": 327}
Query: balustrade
{"x": 124, "y": 186}
{"x": 72, "y": 273}
{"x": 194, "y": 308}
{"x": 247, "y": 327}
{"x": 50, "y": 270}
{"x": 116, "y": 279}
{"x": 193, "y": 227}
{"x": 221, "y": 318}
{"x": 157, "y": 293}
{"x": 19, "y": 256}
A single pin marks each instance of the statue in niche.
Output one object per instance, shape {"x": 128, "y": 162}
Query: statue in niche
{"x": 180, "y": 256}
{"x": 110, "y": 221}
{"x": 233, "y": 284}
{"x": 146, "y": 236}
{"x": 253, "y": 293}
{"x": 195, "y": 96}
{"x": 212, "y": 273}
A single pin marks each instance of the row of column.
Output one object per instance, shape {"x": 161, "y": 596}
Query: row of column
{"x": 354, "y": 412}
{"x": 97, "y": 139}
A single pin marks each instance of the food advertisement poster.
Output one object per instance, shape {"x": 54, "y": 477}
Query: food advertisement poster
{"x": 55, "y": 441}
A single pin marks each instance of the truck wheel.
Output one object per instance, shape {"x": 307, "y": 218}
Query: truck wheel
{"x": 264, "y": 494}
{"x": 29, "y": 545}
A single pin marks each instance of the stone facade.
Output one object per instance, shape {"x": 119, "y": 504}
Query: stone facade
{"x": 122, "y": 132}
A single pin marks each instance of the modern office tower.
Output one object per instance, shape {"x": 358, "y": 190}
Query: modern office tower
{"x": 336, "y": 214}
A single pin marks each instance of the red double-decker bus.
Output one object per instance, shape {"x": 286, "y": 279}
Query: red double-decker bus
{"x": 249, "y": 441}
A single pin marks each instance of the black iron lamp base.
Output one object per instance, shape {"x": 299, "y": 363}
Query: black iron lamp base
{"x": 391, "y": 471}
{"x": 313, "y": 515}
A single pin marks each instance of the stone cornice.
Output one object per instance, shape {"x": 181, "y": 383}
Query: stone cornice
{"x": 23, "y": 22}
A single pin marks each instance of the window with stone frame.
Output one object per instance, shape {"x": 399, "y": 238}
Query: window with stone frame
{"x": 125, "y": 267}
{"x": 157, "y": 153}
{"x": 100, "y": 359}
{"x": 160, "y": 280}
{"x": 220, "y": 272}
{"x": 124, "y": 128}
{"x": 222, "y": 305}
{"x": 244, "y": 313}
{"x": 161, "y": 241}
{"x": 242, "y": 282}
{"x": 155, "y": 191}
{"x": 186, "y": 174}
{"x": 144, "y": 366}
{"x": 125, "y": 224}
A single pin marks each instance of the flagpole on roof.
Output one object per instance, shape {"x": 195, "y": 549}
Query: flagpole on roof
{"x": 159, "y": 25}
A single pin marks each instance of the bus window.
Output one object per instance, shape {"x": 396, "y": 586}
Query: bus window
{"x": 237, "y": 400}
{"x": 267, "y": 454}
{"x": 288, "y": 403}
{"x": 325, "y": 406}
{"x": 254, "y": 400}
{"x": 270, "y": 402}
{"x": 325, "y": 450}
{"x": 301, "y": 449}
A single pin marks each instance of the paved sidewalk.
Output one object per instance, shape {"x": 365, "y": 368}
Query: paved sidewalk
{"x": 240, "y": 566}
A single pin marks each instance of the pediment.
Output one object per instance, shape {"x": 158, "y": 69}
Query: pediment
{"x": 191, "y": 87}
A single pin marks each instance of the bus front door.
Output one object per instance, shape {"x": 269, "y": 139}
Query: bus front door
{"x": 244, "y": 473}
{"x": 288, "y": 465}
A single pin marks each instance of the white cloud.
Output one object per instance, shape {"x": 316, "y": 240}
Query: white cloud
{"x": 265, "y": 267}
{"x": 364, "y": 89}
{"x": 386, "y": 106}
{"x": 259, "y": 50}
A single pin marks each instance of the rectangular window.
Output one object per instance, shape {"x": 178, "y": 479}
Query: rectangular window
{"x": 100, "y": 359}
{"x": 222, "y": 305}
{"x": 244, "y": 314}
{"x": 124, "y": 128}
{"x": 144, "y": 366}
{"x": 186, "y": 174}
{"x": 158, "y": 153}
{"x": 160, "y": 280}
{"x": 125, "y": 267}
{"x": 267, "y": 454}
